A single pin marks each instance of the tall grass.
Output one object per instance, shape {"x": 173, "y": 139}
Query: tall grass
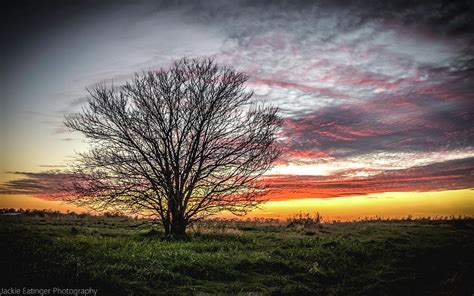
{"x": 125, "y": 256}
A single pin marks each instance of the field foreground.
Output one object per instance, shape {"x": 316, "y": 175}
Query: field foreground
{"x": 120, "y": 256}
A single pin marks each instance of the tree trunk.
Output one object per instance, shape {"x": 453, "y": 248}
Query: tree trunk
{"x": 177, "y": 227}
{"x": 167, "y": 229}
{"x": 178, "y": 230}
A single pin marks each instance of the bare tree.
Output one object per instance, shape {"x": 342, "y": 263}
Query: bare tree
{"x": 177, "y": 144}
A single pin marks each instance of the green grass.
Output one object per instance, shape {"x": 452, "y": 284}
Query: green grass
{"x": 122, "y": 256}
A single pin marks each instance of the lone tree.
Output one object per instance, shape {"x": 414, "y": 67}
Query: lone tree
{"x": 177, "y": 144}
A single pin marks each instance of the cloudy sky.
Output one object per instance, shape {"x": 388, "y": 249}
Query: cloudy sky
{"x": 377, "y": 96}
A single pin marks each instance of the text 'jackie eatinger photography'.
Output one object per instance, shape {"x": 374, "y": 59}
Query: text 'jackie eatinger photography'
{"x": 48, "y": 291}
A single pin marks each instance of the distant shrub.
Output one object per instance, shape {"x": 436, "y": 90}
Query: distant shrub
{"x": 113, "y": 215}
{"x": 305, "y": 221}
{"x": 462, "y": 222}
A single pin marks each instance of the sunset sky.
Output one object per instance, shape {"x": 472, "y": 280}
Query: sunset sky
{"x": 377, "y": 97}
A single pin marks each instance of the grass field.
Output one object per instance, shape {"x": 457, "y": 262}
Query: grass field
{"x": 120, "y": 256}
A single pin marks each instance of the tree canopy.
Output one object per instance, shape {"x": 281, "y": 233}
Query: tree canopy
{"x": 178, "y": 144}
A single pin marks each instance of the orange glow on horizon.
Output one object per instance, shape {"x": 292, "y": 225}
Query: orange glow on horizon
{"x": 386, "y": 205}
{"x": 30, "y": 202}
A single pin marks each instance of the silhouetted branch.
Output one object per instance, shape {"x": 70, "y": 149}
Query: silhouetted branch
{"x": 182, "y": 144}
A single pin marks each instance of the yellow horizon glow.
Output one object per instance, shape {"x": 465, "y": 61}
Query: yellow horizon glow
{"x": 386, "y": 205}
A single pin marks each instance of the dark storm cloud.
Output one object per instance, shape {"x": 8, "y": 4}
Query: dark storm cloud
{"x": 413, "y": 122}
{"x": 285, "y": 45}
{"x": 39, "y": 184}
